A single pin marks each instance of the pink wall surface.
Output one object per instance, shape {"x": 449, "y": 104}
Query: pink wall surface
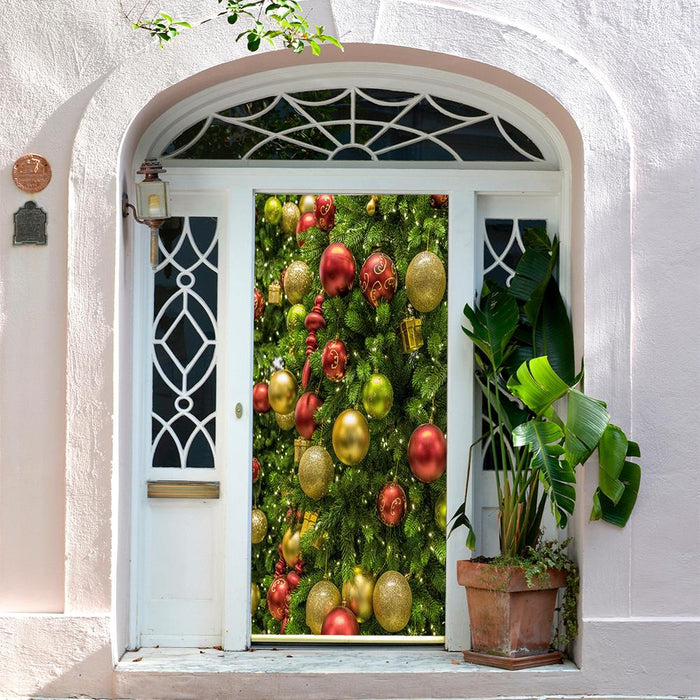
{"x": 619, "y": 80}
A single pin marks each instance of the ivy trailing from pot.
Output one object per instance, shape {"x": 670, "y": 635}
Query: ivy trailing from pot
{"x": 524, "y": 365}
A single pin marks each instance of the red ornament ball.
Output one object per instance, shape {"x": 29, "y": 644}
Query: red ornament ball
{"x": 337, "y": 270}
{"x": 307, "y": 405}
{"x": 438, "y": 201}
{"x": 306, "y": 221}
{"x": 256, "y": 469}
{"x": 293, "y": 579}
{"x": 391, "y": 504}
{"x": 427, "y": 453}
{"x": 261, "y": 400}
{"x": 334, "y": 359}
{"x": 325, "y": 212}
{"x": 340, "y": 620}
{"x": 378, "y": 278}
{"x": 278, "y": 598}
{"x": 258, "y": 304}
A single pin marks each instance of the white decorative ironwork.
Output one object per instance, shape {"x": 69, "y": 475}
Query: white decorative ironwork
{"x": 184, "y": 347}
{"x": 512, "y": 251}
{"x": 353, "y": 124}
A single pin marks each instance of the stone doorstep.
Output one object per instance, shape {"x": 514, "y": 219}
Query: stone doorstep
{"x": 315, "y": 659}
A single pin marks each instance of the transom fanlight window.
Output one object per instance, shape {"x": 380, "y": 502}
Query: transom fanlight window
{"x": 353, "y": 124}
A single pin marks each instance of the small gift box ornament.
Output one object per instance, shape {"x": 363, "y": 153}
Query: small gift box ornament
{"x": 274, "y": 293}
{"x": 410, "y": 334}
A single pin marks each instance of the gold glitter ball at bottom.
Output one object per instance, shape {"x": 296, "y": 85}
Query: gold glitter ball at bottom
{"x": 323, "y": 597}
{"x": 392, "y": 601}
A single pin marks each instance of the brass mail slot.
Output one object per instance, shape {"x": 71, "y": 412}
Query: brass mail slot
{"x": 183, "y": 489}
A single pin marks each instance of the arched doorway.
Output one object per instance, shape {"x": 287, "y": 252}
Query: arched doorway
{"x": 503, "y": 165}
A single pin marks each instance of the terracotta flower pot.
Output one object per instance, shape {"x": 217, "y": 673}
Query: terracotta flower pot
{"x": 511, "y": 623}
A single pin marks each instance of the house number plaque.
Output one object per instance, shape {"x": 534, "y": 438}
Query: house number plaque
{"x": 30, "y": 225}
{"x": 31, "y": 173}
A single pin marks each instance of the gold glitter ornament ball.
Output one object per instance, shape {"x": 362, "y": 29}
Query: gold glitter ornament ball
{"x": 350, "y": 437}
{"x": 425, "y": 281}
{"x": 315, "y": 472}
{"x": 282, "y": 393}
{"x": 254, "y": 597}
{"x": 290, "y": 218}
{"x": 392, "y": 601}
{"x": 297, "y": 281}
{"x": 307, "y": 203}
{"x": 291, "y": 545}
{"x": 285, "y": 420}
{"x": 357, "y": 593}
{"x": 322, "y": 598}
{"x": 259, "y": 526}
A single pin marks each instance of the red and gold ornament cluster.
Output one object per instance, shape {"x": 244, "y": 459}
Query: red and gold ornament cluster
{"x": 378, "y": 278}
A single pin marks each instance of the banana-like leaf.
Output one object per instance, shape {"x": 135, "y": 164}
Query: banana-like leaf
{"x": 554, "y": 335}
{"x": 618, "y": 514}
{"x": 612, "y": 451}
{"x": 586, "y": 421}
{"x": 532, "y": 276}
{"x": 537, "y": 385}
{"x": 493, "y": 324}
{"x": 542, "y": 439}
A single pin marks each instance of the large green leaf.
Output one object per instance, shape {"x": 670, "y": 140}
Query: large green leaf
{"x": 586, "y": 421}
{"x": 537, "y": 385}
{"x": 542, "y": 439}
{"x": 553, "y": 334}
{"x": 612, "y": 451}
{"x": 493, "y": 324}
{"x": 618, "y": 514}
{"x": 530, "y": 281}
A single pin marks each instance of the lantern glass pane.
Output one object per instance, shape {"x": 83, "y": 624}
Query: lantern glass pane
{"x": 152, "y": 200}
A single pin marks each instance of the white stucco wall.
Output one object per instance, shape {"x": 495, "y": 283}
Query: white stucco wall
{"x": 79, "y": 88}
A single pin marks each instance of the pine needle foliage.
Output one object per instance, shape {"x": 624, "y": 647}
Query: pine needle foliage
{"x": 348, "y": 531}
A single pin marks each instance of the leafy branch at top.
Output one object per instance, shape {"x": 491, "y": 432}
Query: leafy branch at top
{"x": 279, "y": 22}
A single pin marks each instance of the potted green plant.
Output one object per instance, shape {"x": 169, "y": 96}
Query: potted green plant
{"x": 524, "y": 365}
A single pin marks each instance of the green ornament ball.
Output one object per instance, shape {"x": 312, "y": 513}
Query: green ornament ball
{"x": 441, "y": 512}
{"x": 296, "y": 317}
{"x": 273, "y": 210}
{"x": 377, "y": 396}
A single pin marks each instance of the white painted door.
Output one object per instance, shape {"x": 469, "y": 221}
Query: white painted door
{"x": 191, "y": 572}
{"x": 501, "y": 220}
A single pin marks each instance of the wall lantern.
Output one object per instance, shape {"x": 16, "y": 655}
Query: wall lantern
{"x": 151, "y": 202}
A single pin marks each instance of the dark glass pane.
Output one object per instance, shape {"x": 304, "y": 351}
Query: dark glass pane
{"x": 313, "y": 136}
{"x": 392, "y": 137}
{"x": 364, "y": 132}
{"x": 317, "y": 95}
{"x": 458, "y": 108}
{"x": 525, "y": 142}
{"x": 282, "y": 150}
{"x": 184, "y": 138}
{"x": 282, "y": 116}
{"x": 525, "y": 224}
{"x": 223, "y": 141}
{"x": 340, "y": 131}
{"x": 184, "y": 382}
{"x": 352, "y": 153}
{"x": 368, "y": 111}
{"x": 424, "y": 117}
{"x": 339, "y": 110}
{"x": 248, "y": 109}
{"x": 388, "y": 95}
{"x": 481, "y": 141}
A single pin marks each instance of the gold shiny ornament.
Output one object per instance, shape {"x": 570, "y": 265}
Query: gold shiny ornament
{"x": 282, "y": 392}
{"x": 300, "y": 446}
{"x": 297, "y": 281}
{"x": 307, "y": 203}
{"x": 322, "y": 598}
{"x": 274, "y": 293}
{"x": 285, "y": 420}
{"x": 290, "y": 218}
{"x": 259, "y": 526}
{"x": 410, "y": 334}
{"x": 357, "y": 593}
{"x": 392, "y": 601}
{"x": 315, "y": 472}
{"x": 377, "y": 396}
{"x": 351, "y": 437}
{"x": 425, "y": 281}
{"x": 441, "y": 512}
{"x": 291, "y": 545}
{"x": 371, "y": 206}
{"x": 254, "y": 597}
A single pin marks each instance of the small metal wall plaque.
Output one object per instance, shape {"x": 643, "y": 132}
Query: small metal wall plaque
{"x": 30, "y": 225}
{"x": 31, "y": 173}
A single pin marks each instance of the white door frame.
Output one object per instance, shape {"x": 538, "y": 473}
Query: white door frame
{"x": 237, "y": 186}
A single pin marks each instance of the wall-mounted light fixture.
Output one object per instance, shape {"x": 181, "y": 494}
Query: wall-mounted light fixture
{"x": 151, "y": 202}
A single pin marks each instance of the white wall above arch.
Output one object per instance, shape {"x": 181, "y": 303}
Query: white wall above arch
{"x": 452, "y": 40}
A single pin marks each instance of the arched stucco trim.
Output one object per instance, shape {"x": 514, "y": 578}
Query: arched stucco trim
{"x": 449, "y": 39}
